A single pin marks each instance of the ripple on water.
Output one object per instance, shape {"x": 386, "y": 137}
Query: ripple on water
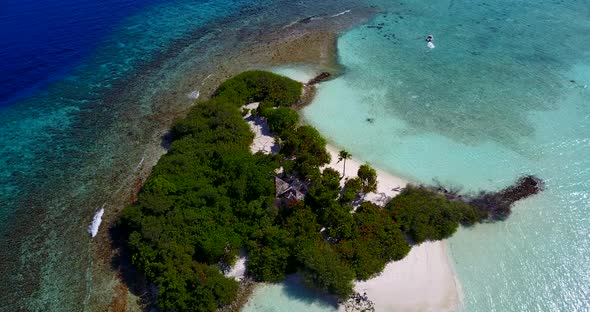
{"x": 493, "y": 101}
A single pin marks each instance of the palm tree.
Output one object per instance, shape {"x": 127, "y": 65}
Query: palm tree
{"x": 344, "y": 155}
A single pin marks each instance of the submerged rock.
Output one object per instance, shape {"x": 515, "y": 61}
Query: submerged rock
{"x": 497, "y": 205}
{"x": 319, "y": 78}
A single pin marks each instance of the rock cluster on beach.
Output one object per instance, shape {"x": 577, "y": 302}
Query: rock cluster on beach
{"x": 359, "y": 303}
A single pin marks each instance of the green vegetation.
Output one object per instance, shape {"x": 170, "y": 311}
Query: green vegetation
{"x": 425, "y": 215}
{"x": 375, "y": 240}
{"x": 368, "y": 178}
{"x": 307, "y": 148}
{"x": 322, "y": 268}
{"x": 352, "y": 187}
{"x": 209, "y": 196}
{"x": 260, "y": 86}
{"x": 281, "y": 120}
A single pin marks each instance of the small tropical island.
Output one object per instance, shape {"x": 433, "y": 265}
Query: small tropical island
{"x": 210, "y": 198}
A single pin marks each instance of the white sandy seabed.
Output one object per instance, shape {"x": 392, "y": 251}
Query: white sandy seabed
{"x": 423, "y": 281}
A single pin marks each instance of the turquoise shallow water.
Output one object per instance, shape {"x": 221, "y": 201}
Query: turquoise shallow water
{"x": 506, "y": 92}
{"x": 288, "y": 296}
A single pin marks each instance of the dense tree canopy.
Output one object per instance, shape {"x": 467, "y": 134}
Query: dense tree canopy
{"x": 368, "y": 177}
{"x": 281, "y": 120}
{"x": 209, "y": 196}
{"x": 260, "y": 86}
{"x": 352, "y": 187}
{"x": 425, "y": 215}
{"x": 306, "y": 145}
{"x": 322, "y": 268}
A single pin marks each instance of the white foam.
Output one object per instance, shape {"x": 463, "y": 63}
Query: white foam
{"x": 290, "y": 24}
{"x": 140, "y": 163}
{"x": 341, "y": 13}
{"x": 194, "y": 95}
{"x": 93, "y": 227}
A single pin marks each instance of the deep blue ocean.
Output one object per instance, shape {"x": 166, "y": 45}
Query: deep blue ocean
{"x": 43, "y": 47}
{"x": 43, "y": 41}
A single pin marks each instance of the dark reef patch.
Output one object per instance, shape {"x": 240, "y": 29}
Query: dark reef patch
{"x": 319, "y": 78}
{"x": 496, "y": 206}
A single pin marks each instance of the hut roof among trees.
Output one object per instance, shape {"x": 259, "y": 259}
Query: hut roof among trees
{"x": 287, "y": 190}
{"x": 281, "y": 186}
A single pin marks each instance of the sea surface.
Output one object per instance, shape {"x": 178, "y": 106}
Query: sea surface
{"x": 87, "y": 89}
{"x": 504, "y": 93}
{"x": 87, "y": 86}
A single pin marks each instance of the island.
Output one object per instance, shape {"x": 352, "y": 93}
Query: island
{"x": 210, "y": 198}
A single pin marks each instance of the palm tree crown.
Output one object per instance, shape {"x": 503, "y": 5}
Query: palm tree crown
{"x": 343, "y": 155}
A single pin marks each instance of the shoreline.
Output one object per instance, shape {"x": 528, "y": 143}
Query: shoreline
{"x": 391, "y": 279}
{"x": 427, "y": 270}
{"x": 424, "y": 280}
{"x": 317, "y": 40}
{"x": 320, "y": 51}
{"x": 388, "y": 185}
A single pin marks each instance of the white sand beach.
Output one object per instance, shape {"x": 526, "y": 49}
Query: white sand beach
{"x": 387, "y": 184}
{"x": 423, "y": 281}
{"x": 264, "y": 141}
{"x": 240, "y": 268}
